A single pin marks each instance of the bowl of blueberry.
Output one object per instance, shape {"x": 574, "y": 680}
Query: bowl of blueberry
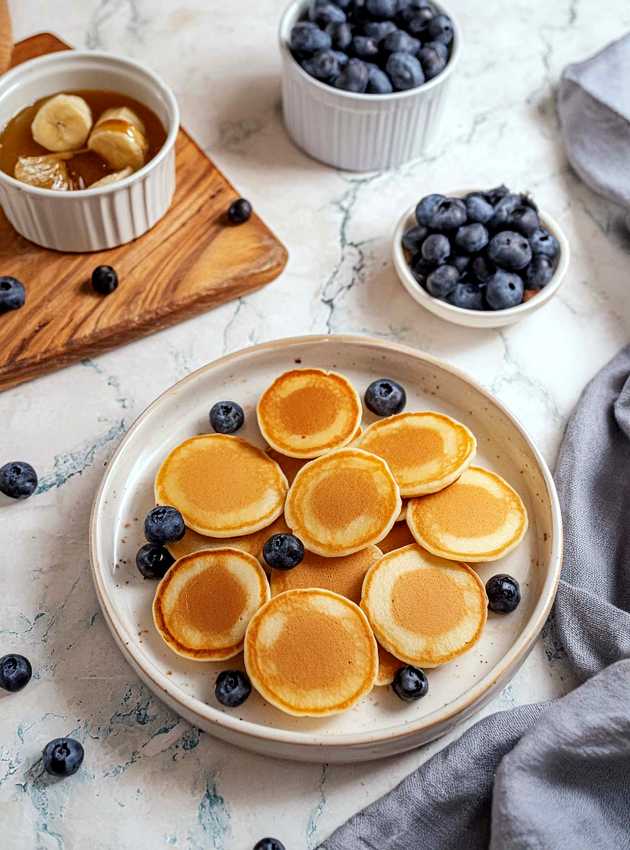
{"x": 480, "y": 258}
{"x": 364, "y": 81}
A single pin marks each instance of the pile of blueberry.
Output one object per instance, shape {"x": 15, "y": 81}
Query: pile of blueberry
{"x": 373, "y": 46}
{"x": 486, "y": 251}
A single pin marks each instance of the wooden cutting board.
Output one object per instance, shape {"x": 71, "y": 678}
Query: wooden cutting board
{"x": 192, "y": 260}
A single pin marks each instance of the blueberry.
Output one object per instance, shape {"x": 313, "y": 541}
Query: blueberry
{"x": 461, "y": 262}
{"x": 385, "y": 9}
{"x": 364, "y": 47}
{"x": 421, "y": 269}
{"x": 504, "y": 290}
{"x": 269, "y": 844}
{"x": 240, "y": 211}
{"x": 436, "y": 249}
{"x": 504, "y": 593}
{"x": 385, "y": 397}
{"x": 232, "y": 688}
{"x": 431, "y": 61}
{"x": 439, "y": 47}
{"x": 482, "y": 269}
{"x": 545, "y": 243}
{"x": 63, "y": 756}
{"x": 401, "y": 42}
{"x": 340, "y": 35}
{"x": 448, "y": 214}
{"x": 378, "y": 81}
{"x": 15, "y": 672}
{"x": 322, "y": 13}
{"x": 226, "y": 417}
{"x": 410, "y": 9}
{"x": 283, "y": 551}
{"x": 478, "y": 208}
{"x": 404, "y": 71}
{"x": 440, "y": 28}
{"x": 472, "y": 238}
{"x": 323, "y": 66}
{"x": 12, "y": 294}
{"x": 503, "y": 210}
{"x": 523, "y": 219}
{"x": 418, "y": 22}
{"x": 414, "y": 237}
{"x": 164, "y": 524}
{"x": 153, "y": 561}
{"x": 342, "y": 58}
{"x": 442, "y": 281}
{"x": 18, "y": 480}
{"x": 493, "y": 196}
{"x": 510, "y": 250}
{"x": 410, "y": 683}
{"x": 539, "y": 272}
{"x": 378, "y": 29}
{"x": 468, "y": 296}
{"x": 104, "y": 280}
{"x": 307, "y": 37}
{"x": 354, "y": 77}
{"x": 426, "y": 208}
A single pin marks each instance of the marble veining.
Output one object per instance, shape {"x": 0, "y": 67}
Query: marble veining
{"x": 149, "y": 779}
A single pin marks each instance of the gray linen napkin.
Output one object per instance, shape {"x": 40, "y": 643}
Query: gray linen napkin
{"x": 554, "y": 775}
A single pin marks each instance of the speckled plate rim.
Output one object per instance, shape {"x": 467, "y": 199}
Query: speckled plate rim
{"x": 453, "y": 711}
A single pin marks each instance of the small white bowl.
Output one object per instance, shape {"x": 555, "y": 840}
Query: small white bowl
{"x": 90, "y": 219}
{"x": 477, "y": 318}
{"x": 360, "y": 132}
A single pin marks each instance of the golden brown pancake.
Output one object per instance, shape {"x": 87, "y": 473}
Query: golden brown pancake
{"x": 222, "y": 485}
{"x": 426, "y": 451}
{"x": 204, "y": 602}
{"x": 398, "y": 537}
{"x": 341, "y": 575}
{"x": 311, "y": 652}
{"x": 307, "y": 412}
{"x": 192, "y": 541}
{"x": 424, "y": 610}
{"x": 387, "y": 666}
{"x": 342, "y": 502}
{"x": 402, "y": 516}
{"x": 479, "y": 518}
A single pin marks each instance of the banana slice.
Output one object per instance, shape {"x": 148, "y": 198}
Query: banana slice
{"x": 122, "y": 113}
{"x": 46, "y": 172}
{"x": 62, "y": 123}
{"x": 119, "y": 141}
{"x": 112, "y": 178}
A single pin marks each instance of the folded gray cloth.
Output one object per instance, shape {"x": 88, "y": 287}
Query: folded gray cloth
{"x": 555, "y": 775}
{"x": 594, "y": 109}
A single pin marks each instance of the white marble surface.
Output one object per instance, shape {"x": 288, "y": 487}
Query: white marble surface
{"x": 149, "y": 780}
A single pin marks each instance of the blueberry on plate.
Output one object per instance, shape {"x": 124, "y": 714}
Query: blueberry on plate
{"x": 467, "y": 296}
{"x": 364, "y": 47}
{"x": 426, "y": 208}
{"x": 323, "y": 66}
{"x": 239, "y": 211}
{"x": 414, "y": 237}
{"x": 232, "y": 688}
{"x": 504, "y": 593}
{"x": 510, "y": 250}
{"x": 478, "y": 208}
{"x": 12, "y": 294}
{"x": 442, "y": 281}
{"x": 472, "y": 238}
{"x": 378, "y": 81}
{"x": 544, "y": 242}
{"x": 226, "y": 417}
{"x": 436, "y": 249}
{"x": 15, "y": 672}
{"x": 539, "y": 272}
{"x": 440, "y": 28}
{"x": 269, "y": 844}
{"x": 18, "y": 479}
{"x": 340, "y": 34}
{"x": 523, "y": 219}
{"x": 153, "y": 561}
{"x": 283, "y": 551}
{"x": 401, "y": 42}
{"x": 63, "y": 756}
{"x": 306, "y": 37}
{"x": 164, "y": 524}
{"x": 353, "y": 77}
{"x": 504, "y": 290}
{"x": 493, "y": 196}
{"x": 482, "y": 269}
{"x": 378, "y": 29}
{"x": 448, "y": 214}
{"x": 385, "y": 9}
{"x": 385, "y": 397}
{"x": 461, "y": 262}
{"x": 410, "y": 683}
{"x": 431, "y": 61}
{"x": 104, "y": 280}
{"x": 322, "y": 13}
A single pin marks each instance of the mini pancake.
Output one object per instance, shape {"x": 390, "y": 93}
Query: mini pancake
{"x": 424, "y": 610}
{"x": 479, "y": 518}
{"x": 402, "y": 516}
{"x": 222, "y": 485}
{"x": 307, "y": 412}
{"x": 192, "y": 541}
{"x": 426, "y": 451}
{"x": 342, "y": 502}
{"x": 341, "y": 575}
{"x": 205, "y": 601}
{"x": 387, "y": 666}
{"x": 311, "y": 652}
{"x": 398, "y": 537}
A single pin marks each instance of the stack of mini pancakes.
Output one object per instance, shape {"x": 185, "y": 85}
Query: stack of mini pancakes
{"x": 390, "y": 517}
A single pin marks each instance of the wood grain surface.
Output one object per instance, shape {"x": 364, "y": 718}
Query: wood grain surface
{"x": 192, "y": 260}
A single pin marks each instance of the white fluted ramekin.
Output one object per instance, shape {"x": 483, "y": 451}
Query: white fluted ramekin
{"x": 360, "y": 132}
{"x": 90, "y": 219}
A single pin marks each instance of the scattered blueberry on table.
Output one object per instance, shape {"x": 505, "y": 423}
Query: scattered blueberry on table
{"x": 385, "y": 397}
{"x": 410, "y": 683}
{"x": 63, "y": 757}
{"x": 372, "y": 46}
{"x": 153, "y": 561}
{"x": 269, "y": 844}
{"x": 485, "y": 251}
{"x": 504, "y": 593}
{"x": 240, "y": 211}
{"x": 12, "y": 294}
{"x": 104, "y": 280}
{"x": 164, "y": 524}
{"x": 18, "y": 479}
{"x": 15, "y": 672}
{"x": 283, "y": 551}
{"x": 232, "y": 688}
{"x": 226, "y": 417}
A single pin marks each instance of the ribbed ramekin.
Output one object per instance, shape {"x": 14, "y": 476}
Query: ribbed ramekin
{"x": 90, "y": 219}
{"x": 360, "y": 132}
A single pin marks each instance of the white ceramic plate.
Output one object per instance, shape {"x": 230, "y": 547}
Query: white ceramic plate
{"x": 477, "y": 318}
{"x": 380, "y": 725}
